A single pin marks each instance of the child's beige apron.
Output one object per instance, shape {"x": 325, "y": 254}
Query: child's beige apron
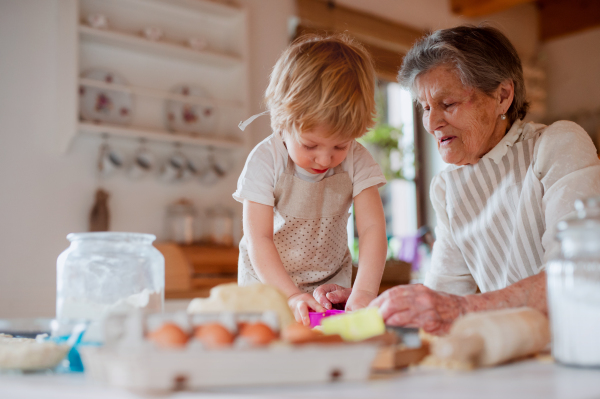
{"x": 310, "y": 231}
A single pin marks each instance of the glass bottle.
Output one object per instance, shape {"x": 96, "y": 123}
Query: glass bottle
{"x": 106, "y": 272}
{"x": 574, "y": 288}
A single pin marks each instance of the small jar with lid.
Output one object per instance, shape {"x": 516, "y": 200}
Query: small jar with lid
{"x": 182, "y": 222}
{"x": 219, "y": 226}
{"x": 574, "y": 288}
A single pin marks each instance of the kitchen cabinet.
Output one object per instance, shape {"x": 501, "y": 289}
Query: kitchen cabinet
{"x": 192, "y": 270}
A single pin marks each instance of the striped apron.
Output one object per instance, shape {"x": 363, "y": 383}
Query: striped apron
{"x": 496, "y": 216}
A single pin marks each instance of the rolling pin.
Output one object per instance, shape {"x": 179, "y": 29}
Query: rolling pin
{"x": 493, "y": 337}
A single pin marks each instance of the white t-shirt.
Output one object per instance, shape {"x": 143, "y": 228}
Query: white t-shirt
{"x": 268, "y": 160}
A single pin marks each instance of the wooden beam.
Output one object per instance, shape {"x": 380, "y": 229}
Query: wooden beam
{"x": 480, "y": 8}
{"x": 562, "y": 17}
{"x": 387, "y": 63}
{"x": 367, "y": 28}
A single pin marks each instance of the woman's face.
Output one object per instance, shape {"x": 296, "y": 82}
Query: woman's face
{"x": 465, "y": 121}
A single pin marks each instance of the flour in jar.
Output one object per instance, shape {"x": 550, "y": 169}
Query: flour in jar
{"x": 575, "y": 320}
{"x": 30, "y": 354}
{"x": 78, "y": 308}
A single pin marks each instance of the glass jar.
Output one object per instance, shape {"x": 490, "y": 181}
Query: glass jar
{"x": 108, "y": 272}
{"x": 219, "y": 226}
{"x": 181, "y": 222}
{"x": 574, "y": 288}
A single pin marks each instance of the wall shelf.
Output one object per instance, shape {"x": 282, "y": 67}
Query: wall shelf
{"x": 161, "y": 94}
{"x": 199, "y": 6}
{"x": 159, "y": 48}
{"x": 151, "y": 69}
{"x": 156, "y": 135}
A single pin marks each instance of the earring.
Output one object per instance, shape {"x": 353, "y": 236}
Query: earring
{"x": 503, "y": 117}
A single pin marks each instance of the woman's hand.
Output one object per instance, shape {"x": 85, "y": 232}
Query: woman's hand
{"x": 300, "y": 303}
{"x": 415, "y": 305}
{"x": 329, "y": 294}
{"x": 359, "y": 299}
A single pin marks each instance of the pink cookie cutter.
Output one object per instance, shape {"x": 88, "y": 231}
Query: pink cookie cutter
{"x": 316, "y": 317}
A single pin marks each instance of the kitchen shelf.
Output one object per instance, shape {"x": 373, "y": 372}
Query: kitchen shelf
{"x": 199, "y": 6}
{"x": 160, "y": 48}
{"x": 165, "y": 95}
{"x": 156, "y": 135}
{"x": 154, "y": 67}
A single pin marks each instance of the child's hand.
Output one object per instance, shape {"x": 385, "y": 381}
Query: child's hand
{"x": 328, "y": 294}
{"x": 359, "y": 299}
{"x": 300, "y": 303}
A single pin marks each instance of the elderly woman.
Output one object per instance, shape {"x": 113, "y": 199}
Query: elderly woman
{"x": 508, "y": 184}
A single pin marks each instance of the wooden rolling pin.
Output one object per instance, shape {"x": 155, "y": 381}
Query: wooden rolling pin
{"x": 493, "y": 337}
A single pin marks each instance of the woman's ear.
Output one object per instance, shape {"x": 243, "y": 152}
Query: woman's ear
{"x": 505, "y": 95}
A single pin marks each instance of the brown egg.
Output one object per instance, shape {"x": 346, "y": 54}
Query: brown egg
{"x": 213, "y": 336}
{"x": 295, "y": 333}
{"x": 257, "y": 334}
{"x": 168, "y": 335}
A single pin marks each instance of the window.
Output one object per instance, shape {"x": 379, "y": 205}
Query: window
{"x": 400, "y": 200}
{"x": 392, "y": 144}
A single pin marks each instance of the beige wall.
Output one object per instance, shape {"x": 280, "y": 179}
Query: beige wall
{"x": 573, "y": 67}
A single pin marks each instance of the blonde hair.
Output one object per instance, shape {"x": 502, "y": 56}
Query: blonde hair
{"x": 323, "y": 80}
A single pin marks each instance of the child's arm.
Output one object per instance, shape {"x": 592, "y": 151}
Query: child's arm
{"x": 372, "y": 251}
{"x": 258, "y": 231}
{"x": 372, "y": 248}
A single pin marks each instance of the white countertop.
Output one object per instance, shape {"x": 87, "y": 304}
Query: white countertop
{"x": 527, "y": 379}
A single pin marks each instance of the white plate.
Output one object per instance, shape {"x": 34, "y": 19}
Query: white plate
{"x": 194, "y": 119}
{"x": 102, "y": 105}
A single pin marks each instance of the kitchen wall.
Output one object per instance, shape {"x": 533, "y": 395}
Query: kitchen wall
{"x": 518, "y": 23}
{"x": 573, "y": 64}
{"x": 46, "y": 194}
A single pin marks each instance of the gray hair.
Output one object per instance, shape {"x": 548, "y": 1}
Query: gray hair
{"x": 481, "y": 55}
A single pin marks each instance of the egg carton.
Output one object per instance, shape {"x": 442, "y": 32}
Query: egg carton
{"x": 129, "y": 361}
{"x": 130, "y": 329}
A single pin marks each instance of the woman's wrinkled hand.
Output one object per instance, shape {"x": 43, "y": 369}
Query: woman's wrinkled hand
{"x": 329, "y": 294}
{"x": 300, "y": 304}
{"x": 415, "y": 305}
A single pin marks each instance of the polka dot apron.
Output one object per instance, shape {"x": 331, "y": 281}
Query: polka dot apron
{"x": 310, "y": 231}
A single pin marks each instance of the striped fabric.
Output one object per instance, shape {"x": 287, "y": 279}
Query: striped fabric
{"x": 496, "y": 216}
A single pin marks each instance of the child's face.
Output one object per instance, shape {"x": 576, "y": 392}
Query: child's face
{"x": 314, "y": 152}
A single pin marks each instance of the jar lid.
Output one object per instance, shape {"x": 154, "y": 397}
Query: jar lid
{"x": 587, "y": 217}
{"x": 182, "y": 206}
{"x": 219, "y": 211}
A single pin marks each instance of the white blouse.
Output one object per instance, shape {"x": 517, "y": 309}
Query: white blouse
{"x": 496, "y": 219}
